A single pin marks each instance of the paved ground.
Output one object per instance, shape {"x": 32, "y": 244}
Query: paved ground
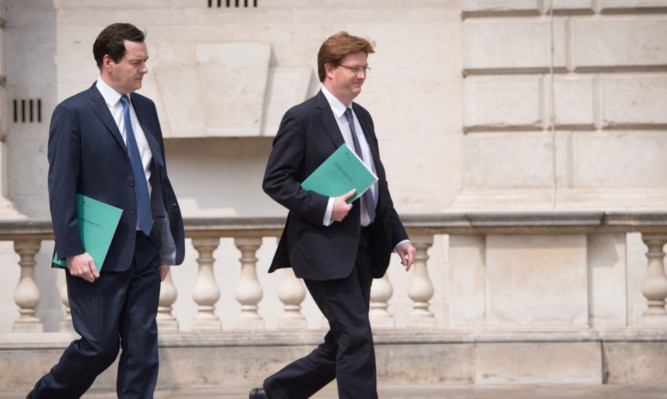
{"x": 422, "y": 392}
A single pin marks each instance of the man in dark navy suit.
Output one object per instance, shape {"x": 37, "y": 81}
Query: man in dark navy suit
{"x": 337, "y": 248}
{"x": 106, "y": 143}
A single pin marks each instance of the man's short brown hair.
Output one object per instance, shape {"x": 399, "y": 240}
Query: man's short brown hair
{"x": 337, "y": 47}
{"x": 111, "y": 42}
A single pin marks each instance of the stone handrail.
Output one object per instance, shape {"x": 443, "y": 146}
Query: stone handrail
{"x": 439, "y": 223}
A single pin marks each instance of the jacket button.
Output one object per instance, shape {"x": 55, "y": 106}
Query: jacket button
{"x": 132, "y": 211}
{"x": 131, "y": 183}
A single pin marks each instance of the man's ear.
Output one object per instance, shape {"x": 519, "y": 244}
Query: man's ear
{"x": 328, "y": 69}
{"x": 107, "y": 63}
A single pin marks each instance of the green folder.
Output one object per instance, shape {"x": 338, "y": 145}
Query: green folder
{"x": 97, "y": 225}
{"x": 339, "y": 174}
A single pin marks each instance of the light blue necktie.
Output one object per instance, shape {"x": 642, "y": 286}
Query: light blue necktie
{"x": 367, "y": 197}
{"x": 144, "y": 216}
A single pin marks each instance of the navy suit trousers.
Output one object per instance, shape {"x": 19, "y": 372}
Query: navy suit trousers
{"x": 115, "y": 312}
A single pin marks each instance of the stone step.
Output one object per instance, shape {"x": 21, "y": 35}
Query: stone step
{"x": 415, "y": 391}
{"x": 234, "y": 359}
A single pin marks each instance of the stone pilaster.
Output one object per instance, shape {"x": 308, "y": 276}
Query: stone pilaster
{"x": 7, "y": 208}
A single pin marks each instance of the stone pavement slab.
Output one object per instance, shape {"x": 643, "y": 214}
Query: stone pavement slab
{"x": 444, "y": 391}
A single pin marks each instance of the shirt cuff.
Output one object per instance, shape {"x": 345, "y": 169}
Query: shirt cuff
{"x": 327, "y": 214}
{"x": 400, "y": 243}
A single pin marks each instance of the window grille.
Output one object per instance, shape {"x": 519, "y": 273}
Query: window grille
{"x": 28, "y": 111}
{"x": 232, "y": 3}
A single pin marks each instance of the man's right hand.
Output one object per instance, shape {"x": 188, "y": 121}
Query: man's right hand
{"x": 83, "y": 266}
{"x": 340, "y": 206}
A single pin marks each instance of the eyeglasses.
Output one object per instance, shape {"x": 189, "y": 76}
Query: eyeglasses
{"x": 356, "y": 70}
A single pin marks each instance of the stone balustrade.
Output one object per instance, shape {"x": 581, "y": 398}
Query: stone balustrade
{"x": 493, "y": 298}
{"x": 247, "y": 233}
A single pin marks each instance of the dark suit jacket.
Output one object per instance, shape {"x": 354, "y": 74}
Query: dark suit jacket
{"x": 308, "y": 134}
{"x": 87, "y": 156}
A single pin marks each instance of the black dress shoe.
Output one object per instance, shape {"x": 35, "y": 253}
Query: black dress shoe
{"x": 258, "y": 393}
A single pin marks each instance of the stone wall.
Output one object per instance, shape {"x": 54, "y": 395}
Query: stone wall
{"x": 564, "y": 104}
{"x": 2, "y": 68}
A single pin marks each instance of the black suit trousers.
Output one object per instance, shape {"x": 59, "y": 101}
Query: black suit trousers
{"x": 347, "y": 353}
{"x": 115, "y": 312}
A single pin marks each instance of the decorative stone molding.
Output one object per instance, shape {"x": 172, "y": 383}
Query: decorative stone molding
{"x": 223, "y": 89}
{"x": 486, "y": 8}
{"x": 632, "y": 6}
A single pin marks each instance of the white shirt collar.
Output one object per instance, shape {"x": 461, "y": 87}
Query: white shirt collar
{"x": 336, "y": 105}
{"x": 111, "y": 96}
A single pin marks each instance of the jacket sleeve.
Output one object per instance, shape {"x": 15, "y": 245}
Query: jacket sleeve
{"x": 64, "y": 154}
{"x": 285, "y": 171}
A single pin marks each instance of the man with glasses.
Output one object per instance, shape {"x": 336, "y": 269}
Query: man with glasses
{"x": 336, "y": 247}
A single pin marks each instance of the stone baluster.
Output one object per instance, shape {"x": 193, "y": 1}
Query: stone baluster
{"x": 654, "y": 286}
{"x": 291, "y": 293}
{"x": 205, "y": 291}
{"x": 421, "y": 287}
{"x": 381, "y": 292}
{"x": 66, "y": 322}
{"x": 248, "y": 291}
{"x": 27, "y": 294}
{"x": 168, "y": 294}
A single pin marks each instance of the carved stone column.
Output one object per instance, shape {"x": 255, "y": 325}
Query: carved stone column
{"x": 291, "y": 293}
{"x": 381, "y": 292}
{"x": 205, "y": 291}
{"x": 421, "y": 287}
{"x": 654, "y": 286}
{"x": 168, "y": 294}
{"x": 248, "y": 292}
{"x": 27, "y": 294}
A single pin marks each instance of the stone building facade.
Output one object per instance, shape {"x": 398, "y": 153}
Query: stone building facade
{"x": 524, "y": 142}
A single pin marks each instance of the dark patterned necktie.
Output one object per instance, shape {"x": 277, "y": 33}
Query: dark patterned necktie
{"x": 367, "y": 197}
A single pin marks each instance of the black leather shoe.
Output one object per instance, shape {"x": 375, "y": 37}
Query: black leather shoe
{"x": 258, "y": 393}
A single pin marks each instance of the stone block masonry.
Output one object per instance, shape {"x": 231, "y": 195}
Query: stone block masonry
{"x": 563, "y": 73}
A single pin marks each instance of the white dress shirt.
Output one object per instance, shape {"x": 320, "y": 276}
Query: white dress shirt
{"x": 338, "y": 109}
{"x": 112, "y": 98}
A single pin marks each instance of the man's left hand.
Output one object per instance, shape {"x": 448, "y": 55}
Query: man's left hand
{"x": 164, "y": 270}
{"x": 407, "y": 254}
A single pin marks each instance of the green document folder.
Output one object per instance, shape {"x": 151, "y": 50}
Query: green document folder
{"x": 339, "y": 174}
{"x": 97, "y": 225}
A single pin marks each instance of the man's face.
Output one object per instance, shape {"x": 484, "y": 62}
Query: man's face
{"x": 125, "y": 76}
{"x": 345, "y": 79}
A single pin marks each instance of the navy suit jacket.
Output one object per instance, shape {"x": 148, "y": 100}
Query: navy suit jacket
{"x": 87, "y": 156}
{"x": 308, "y": 135}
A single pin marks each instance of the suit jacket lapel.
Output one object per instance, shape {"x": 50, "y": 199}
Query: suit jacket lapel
{"x": 328, "y": 120}
{"x": 142, "y": 114}
{"x": 101, "y": 109}
{"x": 368, "y": 133}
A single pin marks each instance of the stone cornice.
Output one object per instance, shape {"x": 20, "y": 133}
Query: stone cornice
{"x": 538, "y": 222}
